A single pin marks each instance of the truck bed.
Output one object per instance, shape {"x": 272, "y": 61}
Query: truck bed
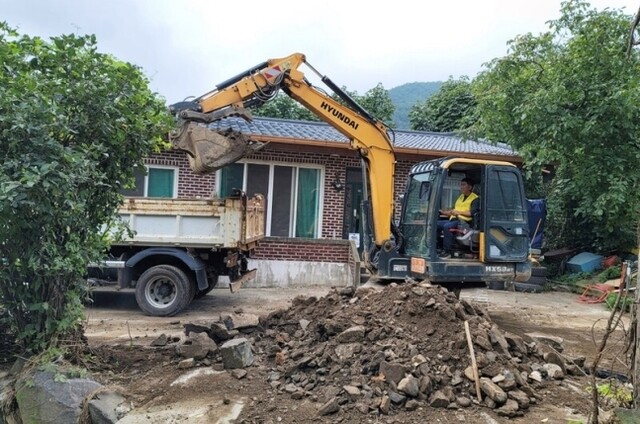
{"x": 233, "y": 222}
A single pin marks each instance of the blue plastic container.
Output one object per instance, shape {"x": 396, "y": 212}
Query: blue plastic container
{"x": 585, "y": 262}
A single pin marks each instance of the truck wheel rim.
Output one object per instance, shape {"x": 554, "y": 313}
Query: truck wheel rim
{"x": 161, "y": 292}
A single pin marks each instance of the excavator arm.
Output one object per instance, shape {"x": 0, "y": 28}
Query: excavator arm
{"x": 209, "y": 150}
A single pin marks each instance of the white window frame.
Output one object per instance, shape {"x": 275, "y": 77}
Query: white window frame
{"x": 175, "y": 170}
{"x": 451, "y": 189}
{"x": 294, "y": 191}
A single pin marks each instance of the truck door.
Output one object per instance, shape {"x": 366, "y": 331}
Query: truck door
{"x": 506, "y": 237}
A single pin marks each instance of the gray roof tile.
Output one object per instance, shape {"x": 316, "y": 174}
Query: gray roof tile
{"x": 320, "y": 131}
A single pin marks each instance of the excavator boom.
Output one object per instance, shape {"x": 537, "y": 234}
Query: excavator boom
{"x": 209, "y": 150}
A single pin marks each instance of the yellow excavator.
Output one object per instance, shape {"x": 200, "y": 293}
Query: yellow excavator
{"x": 495, "y": 249}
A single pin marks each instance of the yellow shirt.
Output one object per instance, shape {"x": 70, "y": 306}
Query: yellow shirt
{"x": 464, "y": 205}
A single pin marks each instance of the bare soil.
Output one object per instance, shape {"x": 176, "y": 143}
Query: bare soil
{"x": 120, "y": 339}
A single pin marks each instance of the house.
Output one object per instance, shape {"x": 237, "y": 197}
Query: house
{"x": 312, "y": 181}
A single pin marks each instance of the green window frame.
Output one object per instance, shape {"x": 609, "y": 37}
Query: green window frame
{"x": 154, "y": 181}
{"x": 293, "y": 194}
{"x": 161, "y": 182}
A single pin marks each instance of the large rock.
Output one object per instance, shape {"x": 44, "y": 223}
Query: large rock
{"x": 352, "y": 335}
{"x": 197, "y": 346}
{"x": 555, "y": 342}
{"x": 492, "y": 390}
{"x": 236, "y": 353}
{"x": 393, "y": 371}
{"x": 43, "y": 400}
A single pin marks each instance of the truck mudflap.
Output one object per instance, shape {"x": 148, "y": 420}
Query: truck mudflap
{"x": 237, "y": 284}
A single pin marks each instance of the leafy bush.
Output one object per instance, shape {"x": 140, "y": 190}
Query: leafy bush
{"x": 73, "y": 124}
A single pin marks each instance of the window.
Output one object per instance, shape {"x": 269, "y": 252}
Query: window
{"x": 154, "y": 181}
{"x": 451, "y": 190}
{"x": 293, "y": 199}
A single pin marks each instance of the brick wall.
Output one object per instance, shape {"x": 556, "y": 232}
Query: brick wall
{"x": 296, "y": 249}
{"x": 190, "y": 185}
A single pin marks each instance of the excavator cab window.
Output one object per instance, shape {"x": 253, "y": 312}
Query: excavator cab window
{"x": 416, "y": 201}
{"x": 506, "y": 229}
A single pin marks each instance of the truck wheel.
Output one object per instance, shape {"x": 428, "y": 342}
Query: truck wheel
{"x": 213, "y": 281}
{"x": 163, "y": 290}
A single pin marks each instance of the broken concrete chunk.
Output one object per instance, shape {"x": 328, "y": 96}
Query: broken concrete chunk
{"x": 197, "y": 346}
{"x": 304, "y": 323}
{"x": 555, "y": 358}
{"x": 439, "y": 400}
{"x": 409, "y": 386}
{"x": 161, "y": 340}
{"x": 352, "y": 391}
{"x": 351, "y": 335}
{"x": 331, "y": 407}
{"x": 492, "y": 390}
{"x": 236, "y": 353}
{"x": 553, "y": 341}
{"x": 498, "y": 339}
{"x": 521, "y": 397}
{"x": 553, "y": 371}
{"x": 392, "y": 371}
{"x": 509, "y": 409}
{"x": 220, "y": 333}
{"x": 385, "y": 405}
{"x": 107, "y": 407}
{"x": 186, "y": 364}
{"x": 535, "y": 376}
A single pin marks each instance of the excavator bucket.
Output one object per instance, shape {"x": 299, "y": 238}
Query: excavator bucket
{"x": 210, "y": 150}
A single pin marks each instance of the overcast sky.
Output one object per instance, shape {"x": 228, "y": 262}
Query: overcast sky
{"x": 187, "y": 47}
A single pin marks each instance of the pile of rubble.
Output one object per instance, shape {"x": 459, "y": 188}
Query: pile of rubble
{"x": 401, "y": 348}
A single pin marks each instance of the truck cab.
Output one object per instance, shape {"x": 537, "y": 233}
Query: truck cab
{"x": 493, "y": 246}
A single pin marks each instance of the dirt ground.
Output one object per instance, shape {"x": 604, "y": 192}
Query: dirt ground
{"x": 120, "y": 337}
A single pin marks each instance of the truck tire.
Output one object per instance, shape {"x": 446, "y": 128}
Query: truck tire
{"x": 164, "y": 290}
{"x": 213, "y": 281}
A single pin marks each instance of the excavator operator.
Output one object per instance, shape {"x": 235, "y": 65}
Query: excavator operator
{"x": 451, "y": 218}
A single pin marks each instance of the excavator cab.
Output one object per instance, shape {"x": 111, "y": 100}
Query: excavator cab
{"x": 493, "y": 246}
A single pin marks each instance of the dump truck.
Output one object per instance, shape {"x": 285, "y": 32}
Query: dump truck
{"x": 176, "y": 250}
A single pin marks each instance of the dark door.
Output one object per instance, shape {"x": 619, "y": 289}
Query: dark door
{"x": 352, "y": 220}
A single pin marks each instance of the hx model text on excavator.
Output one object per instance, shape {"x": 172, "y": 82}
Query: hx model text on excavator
{"x": 492, "y": 246}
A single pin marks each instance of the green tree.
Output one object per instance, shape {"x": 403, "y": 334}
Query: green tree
{"x": 284, "y": 107}
{"x": 73, "y": 124}
{"x": 376, "y": 101}
{"x": 452, "y": 108}
{"x": 570, "y": 97}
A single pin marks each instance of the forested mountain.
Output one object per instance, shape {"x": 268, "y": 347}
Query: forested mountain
{"x": 406, "y": 95}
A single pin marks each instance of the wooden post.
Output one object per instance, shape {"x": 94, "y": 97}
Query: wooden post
{"x": 474, "y": 365}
